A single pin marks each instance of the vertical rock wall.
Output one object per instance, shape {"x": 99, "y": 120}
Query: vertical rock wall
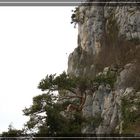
{"x": 104, "y": 106}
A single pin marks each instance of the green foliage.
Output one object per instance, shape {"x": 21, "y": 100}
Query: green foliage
{"x": 12, "y": 132}
{"x": 53, "y": 123}
{"x": 47, "y": 83}
{"x": 109, "y": 78}
{"x": 55, "y": 119}
{"x": 51, "y": 120}
{"x": 130, "y": 117}
{"x": 94, "y": 121}
{"x": 64, "y": 82}
{"x": 75, "y": 16}
{"x": 40, "y": 102}
{"x": 75, "y": 123}
{"x": 55, "y": 83}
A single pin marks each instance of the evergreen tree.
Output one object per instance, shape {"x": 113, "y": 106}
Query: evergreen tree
{"x": 58, "y": 109}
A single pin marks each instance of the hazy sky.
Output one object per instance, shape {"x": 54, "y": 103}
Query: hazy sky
{"x": 34, "y": 42}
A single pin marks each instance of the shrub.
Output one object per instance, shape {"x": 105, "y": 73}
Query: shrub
{"x": 94, "y": 121}
{"x": 75, "y": 16}
{"x": 131, "y": 119}
{"x": 109, "y": 78}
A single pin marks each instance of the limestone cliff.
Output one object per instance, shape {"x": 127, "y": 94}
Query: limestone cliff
{"x": 109, "y": 42}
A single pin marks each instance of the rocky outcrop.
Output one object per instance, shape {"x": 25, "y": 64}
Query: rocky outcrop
{"x": 105, "y": 107}
{"x": 94, "y": 24}
{"x": 107, "y": 103}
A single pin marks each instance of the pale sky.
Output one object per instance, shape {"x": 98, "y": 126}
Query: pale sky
{"x": 34, "y": 42}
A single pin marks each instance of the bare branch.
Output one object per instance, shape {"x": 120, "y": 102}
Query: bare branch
{"x": 69, "y": 97}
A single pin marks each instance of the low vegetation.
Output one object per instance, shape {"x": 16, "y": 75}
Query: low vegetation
{"x": 130, "y": 115}
{"x": 75, "y": 16}
{"x": 108, "y": 78}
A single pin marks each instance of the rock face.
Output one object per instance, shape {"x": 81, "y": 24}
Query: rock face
{"x": 99, "y": 26}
